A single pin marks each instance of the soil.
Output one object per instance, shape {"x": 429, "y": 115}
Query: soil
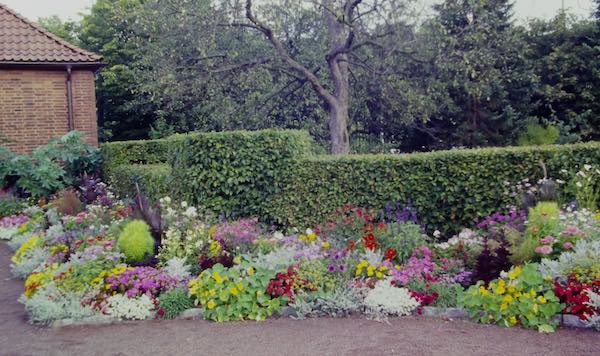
{"x": 279, "y": 336}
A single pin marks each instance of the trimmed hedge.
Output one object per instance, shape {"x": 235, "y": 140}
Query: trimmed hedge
{"x": 234, "y": 173}
{"x": 272, "y": 174}
{"x": 118, "y": 153}
{"x": 449, "y": 189}
{"x": 153, "y": 180}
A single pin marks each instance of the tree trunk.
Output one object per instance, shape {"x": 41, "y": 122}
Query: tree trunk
{"x": 339, "y": 73}
{"x": 338, "y": 128}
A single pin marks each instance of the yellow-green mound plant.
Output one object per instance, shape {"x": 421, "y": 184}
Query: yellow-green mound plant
{"x": 136, "y": 242}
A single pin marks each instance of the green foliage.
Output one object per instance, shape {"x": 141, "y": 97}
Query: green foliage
{"x": 50, "y": 167}
{"x": 316, "y": 272}
{"x": 115, "y": 154}
{"x": 67, "y": 30}
{"x": 174, "y": 302}
{"x": 404, "y": 237}
{"x": 153, "y": 180}
{"x": 448, "y": 189}
{"x": 233, "y": 172}
{"x": 525, "y": 297}
{"x": 10, "y": 205}
{"x": 543, "y": 220}
{"x": 235, "y": 293}
{"x": 136, "y": 242}
{"x": 537, "y": 134}
{"x": 448, "y": 295}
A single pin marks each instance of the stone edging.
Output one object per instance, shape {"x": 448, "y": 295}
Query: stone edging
{"x": 196, "y": 314}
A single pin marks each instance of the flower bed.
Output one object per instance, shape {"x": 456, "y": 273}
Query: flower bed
{"x": 105, "y": 259}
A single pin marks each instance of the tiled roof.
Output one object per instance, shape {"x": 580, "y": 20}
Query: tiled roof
{"x": 22, "y": 41}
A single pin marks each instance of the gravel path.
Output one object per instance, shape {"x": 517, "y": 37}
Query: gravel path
{"x": 282, "y": 336}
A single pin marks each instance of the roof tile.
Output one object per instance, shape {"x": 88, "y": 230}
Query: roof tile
{"x": 23, "y": 41}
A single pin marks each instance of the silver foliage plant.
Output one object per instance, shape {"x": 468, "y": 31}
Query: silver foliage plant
{"x": 585, "y": 254}
{"x": 594, "y": 320}
{"x": 177, "y": 268}
{"x": 49, "y": 304}
{"x": 34, "y": 258}
{"x": 341, "y": 303}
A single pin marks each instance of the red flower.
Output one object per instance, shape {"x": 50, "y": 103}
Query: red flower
{"x": 351, "y": 245}
{"x": 390, "y": 253}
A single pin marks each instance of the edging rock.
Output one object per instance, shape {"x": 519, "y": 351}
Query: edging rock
{"x": 449, "y": 313}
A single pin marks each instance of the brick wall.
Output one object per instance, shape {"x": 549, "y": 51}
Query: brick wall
{"x": 33, "y": 107}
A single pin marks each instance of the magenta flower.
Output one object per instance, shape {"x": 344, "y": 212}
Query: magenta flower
{"x": 568, "y": 245}
{"x": 548, "y": 240}
{"x": 544, "y": 250}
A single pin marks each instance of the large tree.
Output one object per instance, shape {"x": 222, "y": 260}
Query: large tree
{"x": 350, "y": 24}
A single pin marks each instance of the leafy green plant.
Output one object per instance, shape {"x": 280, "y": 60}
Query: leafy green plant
{"x": 235, "y": 293}
{"x": 524, "y": 297}
{"x": 585, "y": 186}
{"x": 50, "y": 167}
{"x": 542, "y": 221}
{"x": 536, "y": 134}
{"x": 173, "y": 302}
{"x": 136, "y": 242}
{"x": 10, "y": 205}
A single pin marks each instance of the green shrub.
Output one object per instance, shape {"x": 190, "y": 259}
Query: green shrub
{"x": 174, "y": 302}
{"x": 11, "y": 205}
{"x": 50, "y": 167}
{"x": 136, "y": 242}
{"x": 234, "y": 173}
{"x": 448, "y": 189}
{"x": 115, "y": 154}
{"x": 543, "y": 220}
{"x": 153, "y": 180}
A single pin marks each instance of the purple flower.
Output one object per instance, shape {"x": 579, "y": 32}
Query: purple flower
{"x": 331, "y": 268}
{"x": 342, "y": 268}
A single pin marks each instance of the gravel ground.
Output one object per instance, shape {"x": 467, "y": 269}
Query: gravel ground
{"x": 282, "y": 336}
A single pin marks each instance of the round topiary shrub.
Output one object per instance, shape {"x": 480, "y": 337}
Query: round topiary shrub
{"x": 136, "y": 242}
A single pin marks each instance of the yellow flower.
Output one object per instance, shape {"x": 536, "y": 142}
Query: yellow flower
{"x": 250, "y": 271}
{"x": 541, "y": 299}
{"x": 383, "y": 268}
{"x": 500, "y": 290}
{"x": 503, "y": 306}
{"x": 379, "y": 275}
{"x": 325, "y": 245}
{"x": 212, "y": 292}
{"x": 240, "y": 287}
{"x": 237, "y": 260}
{"x": 483, "y": 291}
{"x": 532, "y": 292}
{"x": 363, "y": 263}
{"x": 234, "y": 291}
{"x": 217, "y": 277}
{"x": 512, "y": 320}
{"x": 211, "y": 304}
{"x": 212, "y": 230}
{"x": 511, "y": 289}
{"x": 548, "y": 278}
{"x": 514, "y": 273}
{"x": 370, "y": 270}
{"x": 507, "y": 299}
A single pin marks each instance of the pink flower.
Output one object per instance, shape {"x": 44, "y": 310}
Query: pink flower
{"x": 568, "y": 245}
{"x": 547, "y": 240}
{"x": 544, "y": 250}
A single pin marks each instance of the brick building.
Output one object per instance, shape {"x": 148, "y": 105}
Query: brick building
{"x": 46, "y": 85}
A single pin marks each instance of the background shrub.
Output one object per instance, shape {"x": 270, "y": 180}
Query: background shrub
{"x": 153, "y": 179}
{"x": 139, "y": 152}
{"x": 273, "y": 175}
{"x": 234, "y": 173}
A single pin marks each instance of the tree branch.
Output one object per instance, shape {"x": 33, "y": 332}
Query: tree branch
{"x": 293, "y": 64}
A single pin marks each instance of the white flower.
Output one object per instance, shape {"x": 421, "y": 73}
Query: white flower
{"x": 191, "y": 212}
{"x": 437, "y": 233}
{"x": 564, "y": 171}
{"x": 559, "y": 181}
{"x": 581, "y": 173}
{"x": 309, "y": 231}
{"x": 138, "y": 308}
{"x": 579, "y": 185}
{"x": 278, "y": 235}
{"x": 184, "y": 204}
{"x": 387, "y": 299}
{"x": 587, "y": 167}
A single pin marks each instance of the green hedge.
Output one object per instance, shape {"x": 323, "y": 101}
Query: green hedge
{"x": 118, "y": 153}
{"x": 271, "y": 174}
{"x": 449, "y": 189}
{"x": 234, "y": 173}
{"x": 153, "y": 180}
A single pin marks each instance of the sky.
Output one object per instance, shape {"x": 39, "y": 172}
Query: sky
{"x": 65, "y": 9}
